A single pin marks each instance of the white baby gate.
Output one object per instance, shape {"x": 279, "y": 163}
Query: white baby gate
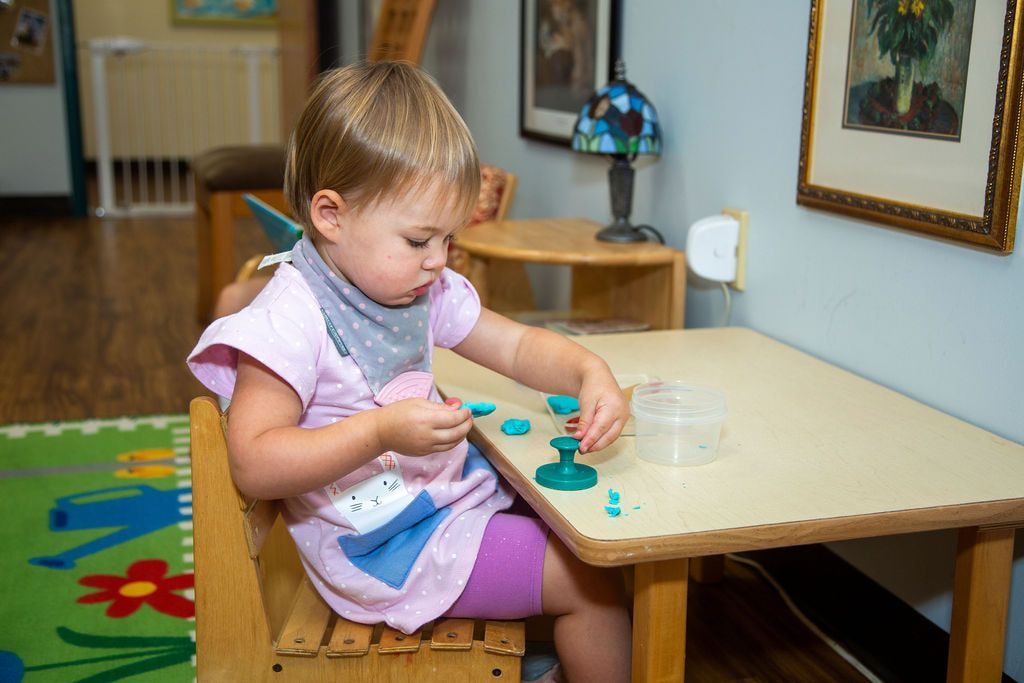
{"x": 154, "y": 106}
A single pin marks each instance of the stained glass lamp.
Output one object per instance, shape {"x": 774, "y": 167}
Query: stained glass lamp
{"x": 620, "y": 121}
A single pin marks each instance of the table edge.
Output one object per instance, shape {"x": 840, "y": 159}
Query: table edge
{"x": 1005, "y": 513}
{"x": 631, "y": 254}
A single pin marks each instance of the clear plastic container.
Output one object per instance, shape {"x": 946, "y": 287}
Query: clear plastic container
{"x": 677, "y": 423}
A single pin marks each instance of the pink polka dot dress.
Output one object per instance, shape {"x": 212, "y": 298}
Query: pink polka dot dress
{"x": 396, "y": 540}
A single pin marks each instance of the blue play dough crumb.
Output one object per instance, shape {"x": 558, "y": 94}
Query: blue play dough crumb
{"x": 613, "y": 510}
{"x": 480, "y": 409}
{"x": 703, "y": 445}
{"x": 515, "y": 427}
{"x": 563, "y": 405}
{"x": 613, "y": 497}
{"x": 636, "y": 507}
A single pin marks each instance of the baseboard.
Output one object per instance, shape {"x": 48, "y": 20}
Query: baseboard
{"x": 888, "y": 636}
{"x": 36, "y": 205}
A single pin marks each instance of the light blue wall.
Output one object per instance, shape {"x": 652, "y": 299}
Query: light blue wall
{"x": 33, "y": 137}
{"x": 938, "y": 321}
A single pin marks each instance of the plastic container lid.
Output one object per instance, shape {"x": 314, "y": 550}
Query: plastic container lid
{"x": 675, "y": 402}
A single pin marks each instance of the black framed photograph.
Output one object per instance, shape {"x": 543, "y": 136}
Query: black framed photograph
{"x": 912, "y": 115}
{"x": 567, "y": 48}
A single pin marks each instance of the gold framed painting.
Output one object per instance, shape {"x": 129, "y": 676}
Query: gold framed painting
{"x": 911, "y": 115}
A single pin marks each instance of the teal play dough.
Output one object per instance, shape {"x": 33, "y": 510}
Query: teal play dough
{"x": 515, "y": 427}
{"x": 479, "y": 409}
{"x": 563, "y": 405}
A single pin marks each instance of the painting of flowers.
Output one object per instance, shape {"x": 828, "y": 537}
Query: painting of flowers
{"x": 907, "y": 66}
{"x": 913, "y": 116}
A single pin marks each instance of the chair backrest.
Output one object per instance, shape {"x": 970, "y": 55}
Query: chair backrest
{"x": 401, "y": 30}
{"x": 230, "y": 528}
{"x": 497, "y": 189}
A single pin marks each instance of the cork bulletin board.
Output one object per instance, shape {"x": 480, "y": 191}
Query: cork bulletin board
{"x": 26, "y": 50}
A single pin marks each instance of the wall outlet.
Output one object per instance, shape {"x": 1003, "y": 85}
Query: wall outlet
{"x": 740, "y": 283}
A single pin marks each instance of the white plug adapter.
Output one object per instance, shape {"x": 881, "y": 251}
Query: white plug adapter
{"x": 711, "y": 246}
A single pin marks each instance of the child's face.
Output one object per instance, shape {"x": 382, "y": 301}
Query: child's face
{"x": 394, "y": 250}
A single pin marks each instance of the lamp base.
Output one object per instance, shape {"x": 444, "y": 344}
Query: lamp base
{"x": 621, "y": 231}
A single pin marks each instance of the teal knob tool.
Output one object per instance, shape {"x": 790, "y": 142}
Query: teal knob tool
{"x": 566, "y": 474}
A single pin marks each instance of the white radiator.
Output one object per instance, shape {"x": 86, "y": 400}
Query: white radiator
{"x": 150, "y": 107}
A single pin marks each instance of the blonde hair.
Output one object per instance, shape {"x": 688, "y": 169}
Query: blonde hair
{"x": 376, "y": 131}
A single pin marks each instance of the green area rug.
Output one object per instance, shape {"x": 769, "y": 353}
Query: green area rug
{"x": 96, "y": 568}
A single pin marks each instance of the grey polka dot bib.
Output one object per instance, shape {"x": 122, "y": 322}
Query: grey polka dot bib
{"x": 384, "y": 341}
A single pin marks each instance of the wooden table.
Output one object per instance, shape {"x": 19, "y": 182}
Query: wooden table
{"x": 642, "y": 280}
{"x": 809, "y": 453}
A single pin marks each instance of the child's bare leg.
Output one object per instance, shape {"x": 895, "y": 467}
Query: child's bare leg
{"x": 592, "y": 630}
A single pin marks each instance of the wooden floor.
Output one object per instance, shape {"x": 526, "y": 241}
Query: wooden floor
{"x": 98, "y": 316}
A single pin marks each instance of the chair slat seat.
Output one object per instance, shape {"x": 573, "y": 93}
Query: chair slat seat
{"x": 396, "y": 642}
{"x": 350, "y": 639}
{"x": 505, "y": 637}
{"x": 305, "y": 626}
{"x": 452, "y": 634}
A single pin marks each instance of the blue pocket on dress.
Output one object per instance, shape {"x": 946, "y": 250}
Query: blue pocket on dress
{"x": 389, "y": 552}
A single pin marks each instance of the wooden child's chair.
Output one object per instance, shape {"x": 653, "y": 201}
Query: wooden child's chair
{"x": 258, "y": 618}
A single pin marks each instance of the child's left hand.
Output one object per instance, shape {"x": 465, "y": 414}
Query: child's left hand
{"x": 603, "y": 412}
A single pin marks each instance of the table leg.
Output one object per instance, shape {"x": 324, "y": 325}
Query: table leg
{"x": 981, "y": 589}
{"x": 659, "y": 621}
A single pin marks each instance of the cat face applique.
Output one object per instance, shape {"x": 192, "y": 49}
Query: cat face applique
{"x": 374, "y": 501}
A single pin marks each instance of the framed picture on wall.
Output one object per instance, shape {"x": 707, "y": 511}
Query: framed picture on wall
{"x": 567, "y": 48}
{"x": 253, "y": 13}
{"x": 911, "y": 115}
{"x": 27, "y": 54}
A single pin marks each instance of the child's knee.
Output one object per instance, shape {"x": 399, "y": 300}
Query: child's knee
{"x": 569, "y": 579}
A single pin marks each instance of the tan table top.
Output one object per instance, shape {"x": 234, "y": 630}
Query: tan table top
{"x": 566, "y": 241}
{"x": 809, "y": 453}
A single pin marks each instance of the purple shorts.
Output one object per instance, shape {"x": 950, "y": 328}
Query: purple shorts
{"x": 509, "y": 571}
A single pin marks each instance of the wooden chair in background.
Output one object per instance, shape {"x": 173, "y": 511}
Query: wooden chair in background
{"x": 497, "y": 190}
{"x": 258, "y": 618}
{"x": 222, "y": 177}
{"x": 401, "y": 30}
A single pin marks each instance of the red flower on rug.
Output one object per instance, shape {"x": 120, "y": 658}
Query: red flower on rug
{"x": 144, "y": 583}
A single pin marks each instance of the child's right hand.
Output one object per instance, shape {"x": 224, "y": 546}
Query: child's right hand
{"x": 416, "y": 426}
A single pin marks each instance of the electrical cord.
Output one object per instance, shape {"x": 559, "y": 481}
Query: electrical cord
{"x": 728, "y": 305}
{"x": 657, "y": 235}
{"x": 839, "y": 649}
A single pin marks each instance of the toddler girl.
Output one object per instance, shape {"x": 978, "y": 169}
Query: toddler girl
{"x": 333, "y": 407}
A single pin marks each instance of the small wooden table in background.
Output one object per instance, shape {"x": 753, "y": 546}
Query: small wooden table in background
{"x": 642, "y": 280}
